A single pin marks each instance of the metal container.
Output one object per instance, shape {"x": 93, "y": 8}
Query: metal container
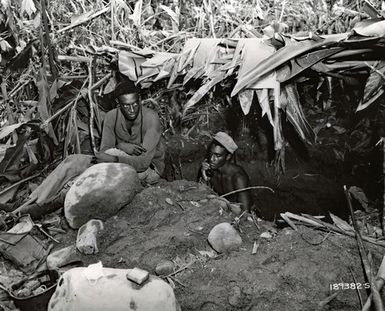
{"x": 40, "y": 301}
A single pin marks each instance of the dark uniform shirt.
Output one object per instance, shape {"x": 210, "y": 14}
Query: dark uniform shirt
{"x": 145, "y": 130}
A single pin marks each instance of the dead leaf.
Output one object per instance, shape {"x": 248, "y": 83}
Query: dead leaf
{"x": 137, "y": 14}
{"x": 171, "y": 13}
{"x": 5, "y": 46}
{"x": 6, "y": 130}
{"x": 80, "y": 18}
{"x": 340, "y": 223}
{"x": 245, "y": 99}
{"x": 28, "y": 6}
{"x": 196, "y": 204}
{"x": 8, "y": 195}
{"x": 202, "y": 91}
{"x": 210, "y": 254}
{"x": 6, "y": 3}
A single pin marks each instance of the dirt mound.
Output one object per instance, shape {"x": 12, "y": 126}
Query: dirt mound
{"x": 292, "y": 270}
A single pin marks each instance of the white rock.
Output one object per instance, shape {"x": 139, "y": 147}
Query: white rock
{"x": 87, "y": 239}
{"x": 266, "y": 235}
{"x": 111, "y": 292}
{"x": 223, "y": 237}
{"x": 100, "y": 192}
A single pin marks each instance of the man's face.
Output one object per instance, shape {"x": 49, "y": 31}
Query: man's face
{"x": 129, "y": 106}
{"x": 217, "y": 157}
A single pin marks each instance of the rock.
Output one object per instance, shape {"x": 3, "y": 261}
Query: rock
{"x": 165, "y": 267}
{"x": 266, "y": 235}
{"x": 235, "y": 296}
{"x": 236, "y": 208}
{"x": 63, "y": 257}
{"x": 111, "y": 291}
{"x": 220, "y": 202}
{"x": 223, "y": 237}
{"x": 86, "y": 241}
{"x": 100, "y": 192}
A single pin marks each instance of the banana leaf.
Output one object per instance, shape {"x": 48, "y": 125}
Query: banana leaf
{"x": 374, "y": 86}
{"x": 129, "y": 64}
{"x": 349, "y": 53}
{"x": 203, "y": 90}
{"x": 8, "y": 129}
{"x": 191, "y": 73}
{"x": 166, "y": 69}
{"x": 280, "y": 57}
{"x": 236, "y": 57}
{"x": 188, "y": 53}
{"x": 264, "y": 102}
{"x": 246, "y": 99}
{"x": 299, "y": 64}
{"x": 290, "y": 102}
{"x": 254, "y": 51}
{"x": 158, "y": 60}
{"x": 206, "y": 52}
{"x": 370, "y": 28}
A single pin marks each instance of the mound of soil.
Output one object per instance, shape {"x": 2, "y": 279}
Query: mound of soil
{"x": 291, "y": 270}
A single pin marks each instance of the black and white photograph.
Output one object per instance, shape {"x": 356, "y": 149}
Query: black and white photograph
{"x": 192, "y": 155}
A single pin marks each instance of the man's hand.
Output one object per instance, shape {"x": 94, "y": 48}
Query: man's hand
{"x": 131, "y": 149}
{"x": 204, "y": 167}
{"x": 102, "y": 157}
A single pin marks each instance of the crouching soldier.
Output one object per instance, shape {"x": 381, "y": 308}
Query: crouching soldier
{"x": 222, "y": 174}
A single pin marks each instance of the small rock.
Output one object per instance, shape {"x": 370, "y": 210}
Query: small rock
{"x": 86, "y": 241}
{"x": 223, "y": 237}
{"x": 165, "y": 267}
{"x": 266, "y": 235}
{"x": 235, "y": 296}
{"x": 236, "y": 208}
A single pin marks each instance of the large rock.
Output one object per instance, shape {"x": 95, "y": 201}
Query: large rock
{"x": 106, "y": 289}
{"x": 224, "y": 238}
{"x": 100, "y": 192}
